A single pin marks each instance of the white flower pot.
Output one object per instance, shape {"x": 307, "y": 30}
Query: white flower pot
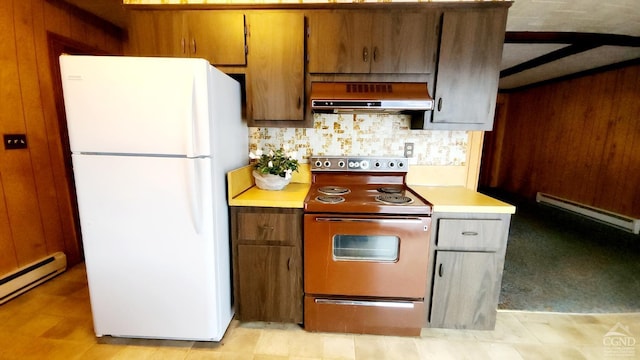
{"x": 270, "y": 181}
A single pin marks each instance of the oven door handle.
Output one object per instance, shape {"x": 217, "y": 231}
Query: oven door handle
{"x": 373, "y": 220}
{"x": 389, "y": 304}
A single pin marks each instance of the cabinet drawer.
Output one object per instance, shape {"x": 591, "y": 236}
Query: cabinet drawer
{"x": 469, "y": 234}
{"x": 274, "y": 228}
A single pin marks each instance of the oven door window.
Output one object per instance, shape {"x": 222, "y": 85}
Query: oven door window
{"x": 378, "y": 248}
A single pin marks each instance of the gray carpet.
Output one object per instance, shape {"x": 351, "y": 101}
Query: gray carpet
{"x": 562, "y": 262}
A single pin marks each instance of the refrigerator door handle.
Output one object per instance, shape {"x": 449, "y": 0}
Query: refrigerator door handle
{"x": 192, "y": 124}
{"x": 194, "y": 131}
{"x": 195, "y": 174}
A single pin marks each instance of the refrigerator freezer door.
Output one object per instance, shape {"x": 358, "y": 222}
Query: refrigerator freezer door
{"x": 153, "y": 266}
{"x": 135, "y": 105}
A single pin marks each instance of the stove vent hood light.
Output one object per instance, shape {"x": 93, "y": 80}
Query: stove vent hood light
{"x": 370, "y": 97}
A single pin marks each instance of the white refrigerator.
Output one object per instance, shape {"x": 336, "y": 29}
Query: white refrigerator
{"x": 152, "y": 140}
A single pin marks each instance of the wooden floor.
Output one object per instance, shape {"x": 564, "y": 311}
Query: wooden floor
{"x": 53, "y": 321}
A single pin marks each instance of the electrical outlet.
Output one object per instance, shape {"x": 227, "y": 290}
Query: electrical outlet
{"x": 408, "y": 150}
{"x": 15, "y": 141}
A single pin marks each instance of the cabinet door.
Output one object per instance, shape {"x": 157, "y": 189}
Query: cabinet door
{"x": 276, "y": 65}
{"x": 340, "y": 42}
{"x": 270, "y": 281}
{"x": 403, "y": 42}
{"x": 468, "y": 69}
{"x": 216, "y": 36}
{"x": 464, "y": 290}
{"x": 155, "y": 33}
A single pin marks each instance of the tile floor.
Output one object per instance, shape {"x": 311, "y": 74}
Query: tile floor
{"x": 53, "y": 321}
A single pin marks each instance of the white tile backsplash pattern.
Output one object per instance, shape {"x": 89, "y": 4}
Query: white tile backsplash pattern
{"x": 372, "y": 135}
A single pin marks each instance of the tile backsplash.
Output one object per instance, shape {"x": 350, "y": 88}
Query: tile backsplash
{"x": 372, "y": 135}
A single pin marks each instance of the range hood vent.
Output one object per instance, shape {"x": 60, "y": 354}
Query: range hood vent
{"x": 371, "y": 97}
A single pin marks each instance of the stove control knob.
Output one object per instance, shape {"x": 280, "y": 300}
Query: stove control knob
{"x": 341, "y": 163}
{"x": 400, "y": 164}
{"x": 318, "y": 163}
{"x": 364, "y": 164}
{"x": 327, "y": 163}
{"x": 377, "y": 164}
{"x": 392, "y": 164}
{"x": 354, "y": 164}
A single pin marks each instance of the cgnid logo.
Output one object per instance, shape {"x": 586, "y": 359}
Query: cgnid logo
{"x": 619, "y": 341}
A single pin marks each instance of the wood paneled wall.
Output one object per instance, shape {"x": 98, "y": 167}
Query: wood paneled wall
{"x": 36, "y": 212}
{"x": 578, "y": 139}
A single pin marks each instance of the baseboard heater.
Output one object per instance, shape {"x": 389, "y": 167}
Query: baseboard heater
{"x": 31, "y": 275}
{"x": 607, "y": 217}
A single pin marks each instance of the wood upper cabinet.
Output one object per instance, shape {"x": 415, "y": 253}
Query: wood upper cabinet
{"x": 276, "y": 66}
{"x": 267, "y": 263}
{"x": 389, "y": 42}
{"x": 216, "y": 36}
{"x": 155, "y": 33}
{"x": 468, "y": 69}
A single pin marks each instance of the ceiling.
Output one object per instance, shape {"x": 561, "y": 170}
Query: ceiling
{"x": 619, "y": 18}
{"x": 546, "y": 39}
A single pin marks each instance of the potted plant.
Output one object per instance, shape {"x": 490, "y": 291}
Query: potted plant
{"x": 272, "y": 170}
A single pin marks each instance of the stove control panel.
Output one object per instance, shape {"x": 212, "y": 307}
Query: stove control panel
{"x": 359, "y": 163}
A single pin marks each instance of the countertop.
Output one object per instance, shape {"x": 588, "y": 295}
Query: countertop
{"x": 242, "y": 192}
{"x": 461, "y": 199}
{"x": 292, "y": 196}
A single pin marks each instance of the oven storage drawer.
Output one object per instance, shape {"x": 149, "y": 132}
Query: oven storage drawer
{"x": 469, "y": 234}
{"x": 267, "y": 228}
{"x": 364, "y": 316}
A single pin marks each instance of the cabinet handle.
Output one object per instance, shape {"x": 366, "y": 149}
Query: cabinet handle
{"x": 288, "y": 264}
{"x": 375, "y": 54}
{"x": 439, "y": 104}
{"x": 266, "y": 227}
{"x": 440, "y": 270}
{"x": 469, "y": 233}
{"x": 387, "y": 304}
{"x": 299, "y": 102}
{"x": 193, "y": 45}
{"x": 365, "y": 54}
{"x": 183, "y": 45}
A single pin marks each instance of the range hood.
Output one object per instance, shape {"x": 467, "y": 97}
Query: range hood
{"x": 370, "y": 97}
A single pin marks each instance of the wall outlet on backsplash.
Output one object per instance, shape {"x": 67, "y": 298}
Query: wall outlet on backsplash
{"x": 408, "y": 150}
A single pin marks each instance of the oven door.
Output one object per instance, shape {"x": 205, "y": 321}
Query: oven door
{"x": 381, "y": 256}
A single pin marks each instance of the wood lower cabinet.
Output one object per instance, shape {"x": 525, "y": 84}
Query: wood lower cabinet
{"x": 463, "y": 290}
{"x": 466, "y": 266}
{"x": 267, "y": 264}
{"x": 268, "y": 288}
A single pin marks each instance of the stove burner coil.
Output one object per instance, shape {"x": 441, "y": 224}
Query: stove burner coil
{"x": 393, "y": 199}
{"x": 390, "y": 189}
{"x": 330, "y": 199}
{"x": 333, "y": 190}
